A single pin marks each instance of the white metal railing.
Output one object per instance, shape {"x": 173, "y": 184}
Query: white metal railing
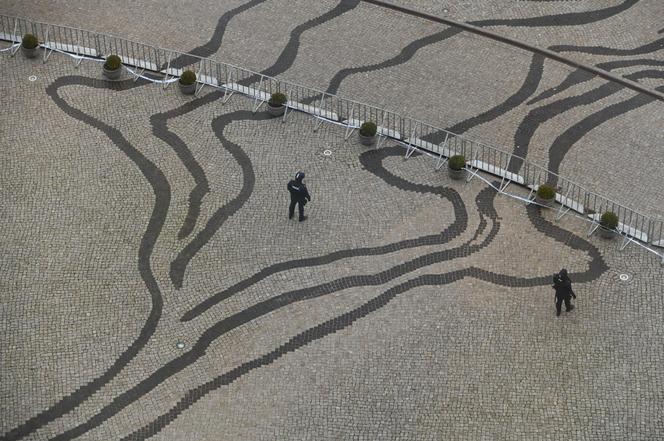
{"x": 412, "y": 133}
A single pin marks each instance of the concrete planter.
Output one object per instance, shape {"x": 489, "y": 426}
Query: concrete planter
{"x": 187, "y": 89}
{"x": 276, "y": 110}
{"x": 605, "y": 233}
{"x": 457, "y": 175}
{"x": 29, "y": 53}
{"x": 367, "y": 140}
{"x": 545, "y": 202}
{"x": 112, "y": 74}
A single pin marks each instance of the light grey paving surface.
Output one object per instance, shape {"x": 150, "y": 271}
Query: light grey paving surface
{"x": 475, "y": 352}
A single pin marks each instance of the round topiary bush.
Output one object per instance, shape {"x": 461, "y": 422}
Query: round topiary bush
{"x": 609, "y": 220}
{"x": 187, "y": 78}
{"x": 457, "y": 162}
{"x": 277, "y": 99}
{"x": 113, "y": 62}
{"x": 29, "y": 41}
{"x": 368, "y": 129}
{"x": 546, "y": 191}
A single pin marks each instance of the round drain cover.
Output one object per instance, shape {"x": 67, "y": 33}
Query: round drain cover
{"x": 179, "y": 345}
{"x": 624, "y": 277}
{"x": 327, "y": 152}
{"x": 32, "y": 78}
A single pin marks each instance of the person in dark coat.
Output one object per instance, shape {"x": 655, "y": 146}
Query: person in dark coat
{"x": 564, "y": 293}
{"x": 299, "y": 195}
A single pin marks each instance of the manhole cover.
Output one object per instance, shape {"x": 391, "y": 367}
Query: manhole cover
{"x": 32, "y": 78}
{"x": 179, "y": 345}
{"x": 624, "y": 277}
{"x": 327, "y": 152}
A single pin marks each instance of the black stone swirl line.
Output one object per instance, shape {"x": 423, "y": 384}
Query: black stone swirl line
{"x": 213, "y": 45}
{"x": 179, "y": 264}
{"x": 226, "y": 325}
{"x": 564, "y": 142}
{"x": 596, "y": 268}
{"x": 567, "y": 19}
{"x": 654, "y": 46}
{"x": 372, "y": 162}
{"x": 162, "y": 194}
{"x": 289, "y": 53}
{"x": 159, "y": 123}
{"x": 402, "y": 57}
{"x": 581, "y": 76}
{"x": 536, "y": 117}
{"x": 529, "y": 86}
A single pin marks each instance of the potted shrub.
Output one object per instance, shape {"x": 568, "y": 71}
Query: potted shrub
{"x": 187, "y": 82}
{"x": 112, "y": 67}
{"x": 456, "y": 167}
{"x": 367, "y": 133}
{"x": 276, "y": 105}
{"x": 29, "y": 46}
{"x": 545, "y": 195}
{"x": 608, "y": 223}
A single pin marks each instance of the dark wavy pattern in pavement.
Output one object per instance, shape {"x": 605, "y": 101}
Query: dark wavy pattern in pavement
{"x": 484, "y": 203}
{"x": 529, "y": 86}
{"x": 564, "y": 142}
{"x": 159, "y": 122}
{"x": 568, "y": 19}
{"x": 213, "y": 45}
{"x": 179, "y": 264}
{"x": 369, "y": 160}
{"x": 581, "y": 76}
{"x": 162, "y": 193}
{"x": 536, "y": 117}
{"x": 655, "y": 46}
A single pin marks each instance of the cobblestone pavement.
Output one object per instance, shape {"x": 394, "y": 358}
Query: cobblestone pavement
{"x": 153, "y": 286}
{"x": 563, "y": 118}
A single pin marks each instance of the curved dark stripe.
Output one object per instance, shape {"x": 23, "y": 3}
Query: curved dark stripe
{"x": 287, "y": 57}
{"x": 476, "y": 27}
{"x": 529, "y": 86}
{"x": 160, "y": 127}
{"x": 213, "y": 45}
{"x": 580, "y": 76}
{"x": 540, "y": 115}
{"x": 220, "y": 328}
{"x": 569, "y": 137}
{"x": 179, "y": 264}
{"x": 160, "y": 130}
{"x": 596, "y": 268}
{"x": 162, "y": 193}
{"x": 567, "y": 19}
{"x": 371, "y": 161}
{"x": 599, "y": 50}
{"x": 405, "y": 55}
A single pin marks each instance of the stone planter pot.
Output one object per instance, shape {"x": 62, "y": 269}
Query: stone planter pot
{"x": 187, "y": 89}
{"x": 457, "y": 175}
{"x": 366, "y": 140}
{"x": 605, "y": 233}
{"x": 276, "y": 110}
{"x": 545, "y": 202}
{"x": 29, "y": 53}
{"x": 112, "y": 74}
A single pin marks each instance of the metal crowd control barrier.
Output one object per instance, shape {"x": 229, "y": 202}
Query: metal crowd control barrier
{"x": 411, "y": 133}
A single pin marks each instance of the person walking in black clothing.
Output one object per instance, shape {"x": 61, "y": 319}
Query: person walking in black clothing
{"x": 298, "y": 195}
{"x": 563, "y": 286}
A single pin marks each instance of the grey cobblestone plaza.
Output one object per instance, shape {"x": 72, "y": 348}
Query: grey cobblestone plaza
{"x": 154, "y": 288}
